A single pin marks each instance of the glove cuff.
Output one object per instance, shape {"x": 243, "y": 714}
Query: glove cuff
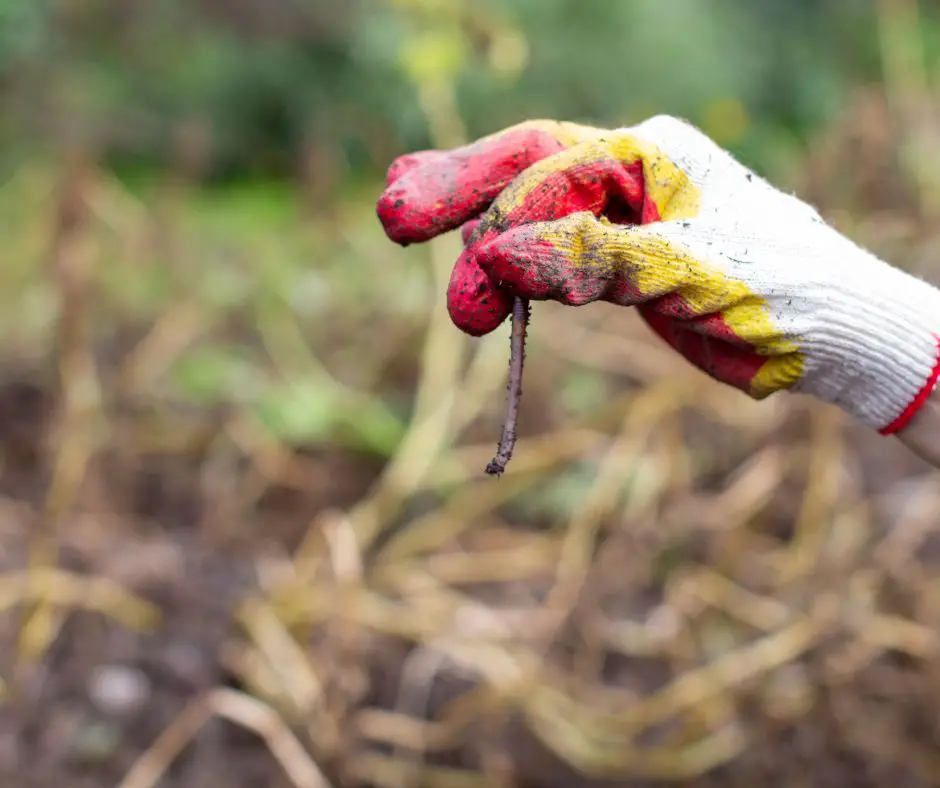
{"x": 918, "y": 402}
{"x": 877, "y": 355}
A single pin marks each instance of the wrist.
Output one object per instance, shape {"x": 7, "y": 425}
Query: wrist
{"x": 922, "y": 434}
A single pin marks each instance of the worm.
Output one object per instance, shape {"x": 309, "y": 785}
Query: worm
{"x": 520, "y": 323}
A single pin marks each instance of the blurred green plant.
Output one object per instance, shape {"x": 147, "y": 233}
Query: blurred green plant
{"x": 278, "y": 87}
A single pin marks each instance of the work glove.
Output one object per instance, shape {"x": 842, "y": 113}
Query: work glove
{"x": 749, "y": 283}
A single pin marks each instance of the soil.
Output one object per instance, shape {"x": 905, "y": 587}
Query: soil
{"x": 142, "y": 520}
{"x": 102, "y": 693}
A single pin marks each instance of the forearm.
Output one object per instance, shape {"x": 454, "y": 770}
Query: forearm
{"x": 922, "y": 434}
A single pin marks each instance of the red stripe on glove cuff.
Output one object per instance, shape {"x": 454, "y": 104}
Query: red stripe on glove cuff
{"x": 918, "y": 402}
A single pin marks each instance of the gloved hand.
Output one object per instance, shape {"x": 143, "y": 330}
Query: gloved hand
{"x": 747, "y": 282}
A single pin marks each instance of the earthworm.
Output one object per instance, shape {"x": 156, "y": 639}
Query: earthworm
{"x": 520, "y": 322}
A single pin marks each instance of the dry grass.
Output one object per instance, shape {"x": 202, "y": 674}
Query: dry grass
{"x": 669, "y": 583}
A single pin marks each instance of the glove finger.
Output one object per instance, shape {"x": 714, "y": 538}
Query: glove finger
{"x": 586, "y": 179}
{"x": 475, "y": 305}
{"x": 583, "y": 258}
{"x": 574, "y": 260}
{"x": 433, "y": 192}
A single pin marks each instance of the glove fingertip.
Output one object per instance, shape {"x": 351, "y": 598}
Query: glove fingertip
{"x": 402, "y": 221}
{"x": 476, "y": 306}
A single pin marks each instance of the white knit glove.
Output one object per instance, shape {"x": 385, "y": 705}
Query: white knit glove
{"x": 749, "y": 283}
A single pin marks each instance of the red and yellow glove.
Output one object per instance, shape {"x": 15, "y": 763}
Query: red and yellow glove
{"x": 747, "y": 282}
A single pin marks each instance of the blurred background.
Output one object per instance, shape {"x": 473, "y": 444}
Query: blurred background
{"x": 246, "y": 537}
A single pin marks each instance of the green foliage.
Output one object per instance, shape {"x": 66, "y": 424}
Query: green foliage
{"x": 307, "y": 411}
{"x": 23, "y": 33}
{"x": 290, "y": 74}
